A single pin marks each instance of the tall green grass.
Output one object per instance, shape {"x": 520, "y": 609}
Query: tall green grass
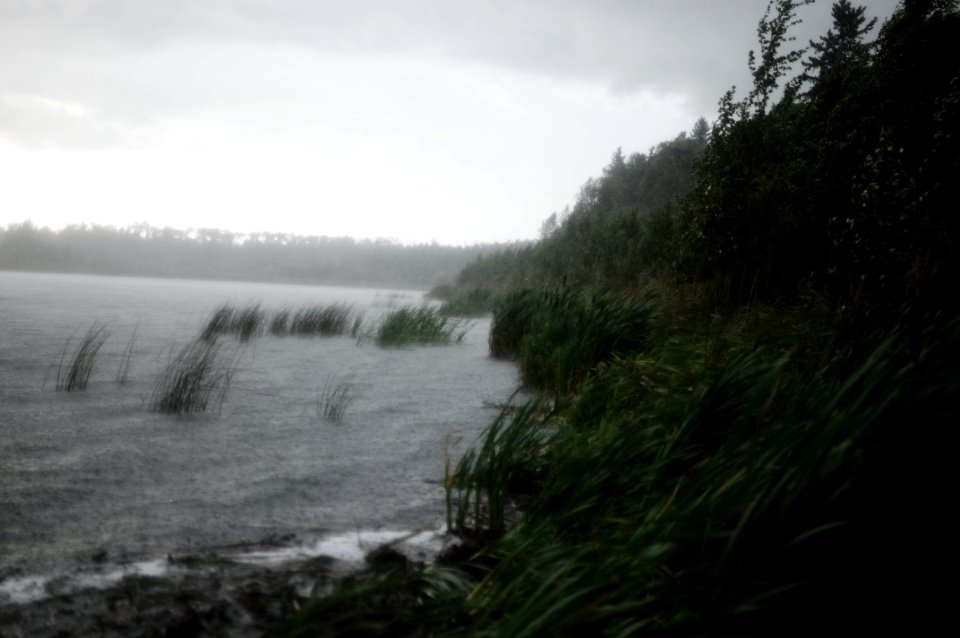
{"x": 505, "y": 464}
{"x": 678, "y": 494}
{"x": 757, "y": 498}
{"x": 325, "y": 321}
{"x": 336, "y": 397}
{"x": 247, "y": 322}
{"x": 559, "y": 337}
{"x": 76, "y": 374}
{"x": 196, "y": 379}
{"x": 421, "y": 325}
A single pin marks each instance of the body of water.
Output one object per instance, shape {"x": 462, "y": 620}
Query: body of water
{"x": 97, "y": 476}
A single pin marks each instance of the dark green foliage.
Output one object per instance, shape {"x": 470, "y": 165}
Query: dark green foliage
{"x": 842, "y": 44}
{"x": 423, "y": 325}
{"x": 513, "y": 317}
{"x": 559, "y": 337}
{"x": 758, "y": 498}
{"x": 77, "y": 374}
{"x": 845, "y": 188}
{"x": 490, "y": 476}
{"x": 197, "y": 378}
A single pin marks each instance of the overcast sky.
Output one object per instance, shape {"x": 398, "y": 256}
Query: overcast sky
{"x": 455, "y": 121}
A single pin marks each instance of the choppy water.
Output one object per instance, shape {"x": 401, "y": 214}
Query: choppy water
{"x": 97, "y": 473}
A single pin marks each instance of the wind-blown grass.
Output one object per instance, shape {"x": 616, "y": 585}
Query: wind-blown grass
{"x": 195, "y": 380}
{"x": 324, "y": 321}
{"x": 245, "y": 322}
{"x": 757, "y": 499}
{"x": 559, "y": 337}
{"x": 502, "y": 466}
{"x": 672, "y": 494}
{"x": 77, "y": 374}
{"x": 336, "y": 397}
{"x": 123, "y": 369}
{"x": 422, "y": 325}
{"x": 251, "y": 321}
{"x": 279, "y": 322}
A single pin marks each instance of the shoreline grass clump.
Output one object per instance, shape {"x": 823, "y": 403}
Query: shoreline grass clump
{"x": 422, "y": 325}
{"x": 245, "y": 322}
{"x": 248, "y": 322}
{"x": 279, "y": 323}
{"x": 481, "y": 491}
{"x": 336, "y": 397}
{"x": 197, "y": 378}
{"x": 323, "y": 321}
{"x": 76, "y": 376}
{"x": 218, "y": 323}
{"x": 559, "y": 337}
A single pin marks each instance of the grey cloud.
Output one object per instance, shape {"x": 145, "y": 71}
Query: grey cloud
{"x": 37, "y": 122}
{"x": 131, "y": 61}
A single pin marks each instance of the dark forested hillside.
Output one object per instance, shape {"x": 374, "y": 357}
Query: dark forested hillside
{"x": 604, "y": 241}
{"x": 832, "y": 175}
{"x": 144, "y": 250}
{"x": 742, "y": 351}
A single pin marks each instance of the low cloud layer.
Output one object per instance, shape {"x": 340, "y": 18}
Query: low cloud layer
{"x": 492, "y": 87}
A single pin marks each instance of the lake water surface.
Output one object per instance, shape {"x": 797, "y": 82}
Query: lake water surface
{"x": 97, "y": 475}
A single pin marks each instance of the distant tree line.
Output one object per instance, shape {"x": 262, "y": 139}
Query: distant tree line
{"x": 146, "y": 250}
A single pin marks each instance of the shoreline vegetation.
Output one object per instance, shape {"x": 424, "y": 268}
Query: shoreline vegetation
{"x": 743, "y": 373}
{"x": 741, "y": 350}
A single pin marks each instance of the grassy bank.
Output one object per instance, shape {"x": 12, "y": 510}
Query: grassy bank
{"x": 703, "y": 478}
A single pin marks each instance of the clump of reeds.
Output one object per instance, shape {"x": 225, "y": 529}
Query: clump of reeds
{"x": 77, "y": 373}
{"x": 422, "y": 325}
{"x": 197, "y": 378}
{"x": 356, "y": 331}
{"x": 123, "y": 370}
{"x": 218, "y": 323}
{"x": 248, "y": 322}
{"x": 309, "y": 321}
{"x": 279, "y": 323}
{"x": 245, "y": 322}
{"x": 335, "y": 398}
{"x": 324, "y": 321}
{"x": 502, "y": 466}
